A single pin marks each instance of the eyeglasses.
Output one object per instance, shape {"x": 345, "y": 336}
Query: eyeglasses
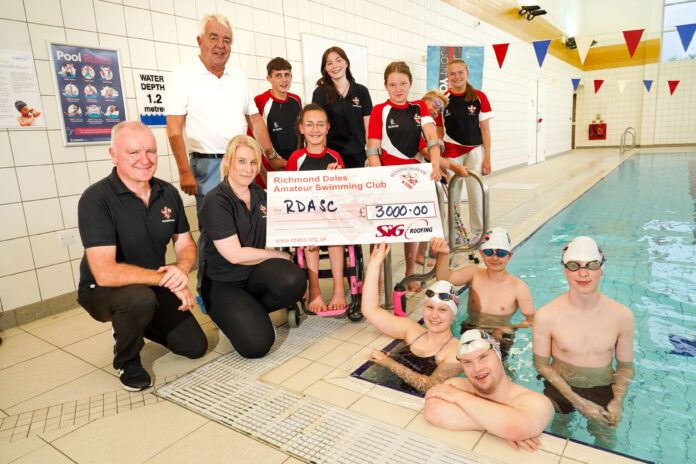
{"x": 442, "y": 296}
{"x": 573, "y": 266}
{"x": 312, "y": 125}
{"x": 497, "y": 251}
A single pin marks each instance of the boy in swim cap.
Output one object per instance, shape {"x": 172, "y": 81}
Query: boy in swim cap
{"x": 575, "y": 340}
{"x": 487, "y": 399}
{"x": 494, "y": 294}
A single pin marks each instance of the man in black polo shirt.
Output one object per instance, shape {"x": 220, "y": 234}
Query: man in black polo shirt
{"x": 126, "y": 221}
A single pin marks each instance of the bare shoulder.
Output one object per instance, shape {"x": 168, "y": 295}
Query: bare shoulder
{"x": 449, "y": 352}
{"x": 621, "y": 311}
{"x": 530, "y": 400}
{"x": 549, "y": 310}
{"x": 459, "y": 382}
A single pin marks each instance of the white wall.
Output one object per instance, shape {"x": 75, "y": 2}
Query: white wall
{"x": 41, "y": 181}
{"x": 658, "y": 117}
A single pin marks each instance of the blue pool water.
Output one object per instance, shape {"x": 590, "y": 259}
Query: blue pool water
{"x": 643, "y": 215}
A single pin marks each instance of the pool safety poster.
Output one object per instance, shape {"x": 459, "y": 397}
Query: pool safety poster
{"x": 89, "y": 89}
{"x": 440, "y": 55}
{"x": 150, "y": 92}
{"x": 20, "y": 99}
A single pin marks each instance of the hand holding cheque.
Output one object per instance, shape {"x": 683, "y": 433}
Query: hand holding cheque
{"x": 354, "y": 206}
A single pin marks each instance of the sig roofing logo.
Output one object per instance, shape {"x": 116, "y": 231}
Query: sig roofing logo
{"x": 415, "y": 230}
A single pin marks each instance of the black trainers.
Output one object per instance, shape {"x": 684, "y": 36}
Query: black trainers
{"x": 133, "y": 376}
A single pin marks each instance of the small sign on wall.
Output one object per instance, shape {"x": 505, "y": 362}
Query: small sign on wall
{"x": 20, "y": 99}
{"x": 150, "y": 92}
{"x": 89, "y": 89}
{"x": 439, "y": 57}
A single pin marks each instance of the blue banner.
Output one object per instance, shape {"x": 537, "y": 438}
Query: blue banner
{"x": 90, "y": 92}
{"x": 440, "y": 55}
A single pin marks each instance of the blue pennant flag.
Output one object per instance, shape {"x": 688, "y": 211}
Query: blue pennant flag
{"x": 648, "y": 84}
{"x": 686, "y": 33}
{"x": 541, "y": 47}
{"x": 576, "y": 82}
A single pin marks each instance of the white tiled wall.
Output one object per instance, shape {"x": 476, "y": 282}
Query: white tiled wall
{"x": 658, "y": 117}
{"x": 41, "y": 180}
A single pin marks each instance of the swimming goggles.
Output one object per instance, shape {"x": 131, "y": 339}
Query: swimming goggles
{"x": 497, "y": 251}
{"x": 442, "y": 296}
{"x": 573, "y": 266}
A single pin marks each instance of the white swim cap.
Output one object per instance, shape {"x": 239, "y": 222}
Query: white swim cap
{"x": 476, "y": 339}
{"x": 443, "y": 292}
{"x": 582, "y": 249}
{"x": 496, "y": 239}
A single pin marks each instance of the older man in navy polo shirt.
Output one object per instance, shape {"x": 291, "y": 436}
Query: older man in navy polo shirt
{"x": 126, "y": 221}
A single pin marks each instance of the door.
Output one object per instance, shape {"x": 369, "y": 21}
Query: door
{"x": 536, "y": 133}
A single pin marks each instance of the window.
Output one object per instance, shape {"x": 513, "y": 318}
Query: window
{"x": 677, "y": 12}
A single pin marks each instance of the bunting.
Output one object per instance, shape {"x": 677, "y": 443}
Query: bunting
{"x": 672, "y": 86}
{"x": 622, "y": 85}
{"x": 632, "y": 40}
{"x": 500, "y": 52}
{"x": 583, "y": 44}
{"x": 647, "y": 83}
{"x": 597, "y": 84}
{"x": 576, "y": 82}
{"x": 686, "y": 33}
{"x": 541, "y": 47}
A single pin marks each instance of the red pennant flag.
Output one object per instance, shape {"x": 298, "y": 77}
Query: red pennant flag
{"x": 672, "y": 86}
{"x": 500, "y": 52}
{"x": 597, "y": 84}
{"x": 632, "y": 40}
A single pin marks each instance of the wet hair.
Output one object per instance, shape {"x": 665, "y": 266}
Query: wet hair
{"x": 231, "y": 152}
{"x": 325, "y": 81}
{"x": 397, "y": 67}
{"x": 278, "y": 64}
{"x": 215, "y": 17}
{"x": 300, "y": 118}
{"x": 437, "y": 95}
{"x": 19, "y": 104}
{"x": 469, "y": 92}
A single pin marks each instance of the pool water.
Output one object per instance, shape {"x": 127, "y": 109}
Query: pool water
{"x": 643, "y": 216}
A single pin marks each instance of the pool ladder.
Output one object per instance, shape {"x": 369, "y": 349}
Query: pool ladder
{"x": 454, "y": 190}
{"x": 630, "y": 131}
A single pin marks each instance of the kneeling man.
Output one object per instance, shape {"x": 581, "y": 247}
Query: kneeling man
{"x": 126, "y": 221}
{"x": 487, "y": 399}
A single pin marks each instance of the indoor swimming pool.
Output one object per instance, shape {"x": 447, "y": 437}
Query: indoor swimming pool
{"x": 643, "y": 216}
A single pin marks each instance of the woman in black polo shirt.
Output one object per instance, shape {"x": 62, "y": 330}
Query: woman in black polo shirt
{"x": 348, "y": 105}
{"x": 243, "y": 281}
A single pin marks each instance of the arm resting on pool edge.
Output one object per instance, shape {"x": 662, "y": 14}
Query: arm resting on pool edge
{"x": 420, "y": 382}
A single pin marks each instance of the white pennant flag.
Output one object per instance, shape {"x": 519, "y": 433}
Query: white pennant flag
{"x": 583, "y": 44}
{"x": 622, "y": 85}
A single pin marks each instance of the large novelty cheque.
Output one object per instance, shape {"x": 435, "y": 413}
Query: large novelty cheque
{"x": 352, "y": 206}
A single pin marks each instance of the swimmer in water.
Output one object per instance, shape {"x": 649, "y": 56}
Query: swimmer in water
{"x": 427, "y": 356}
{"x": 494, "y": 294}
{"x": 487, "y": 399}
{"x": 575, "y": 340}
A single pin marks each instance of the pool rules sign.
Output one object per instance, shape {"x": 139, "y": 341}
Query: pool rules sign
{"x": 150, "y": 90}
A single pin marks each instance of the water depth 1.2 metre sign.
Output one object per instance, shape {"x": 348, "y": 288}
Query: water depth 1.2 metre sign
{"x": 89, "y": 90}
{"x": 150, "y": 91}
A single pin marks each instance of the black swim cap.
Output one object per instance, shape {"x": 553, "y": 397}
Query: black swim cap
{"x": 19, "y": 104}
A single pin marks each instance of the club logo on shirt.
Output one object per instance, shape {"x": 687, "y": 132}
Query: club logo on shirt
{"x": 263, "y": 210}
{"x": 276, "y": 127}
{"x": 472, "y": 109}
{"x": 356, "y": 102}
{"x": 166, "y": 214}
{"x": 392, "y": 124}
{"x": 447, "y": 113}
{"x": 417, "y": 118}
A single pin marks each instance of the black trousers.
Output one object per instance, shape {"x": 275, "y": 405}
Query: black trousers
{"x": 240, "y": 309}
{"x": 138, "y": 311}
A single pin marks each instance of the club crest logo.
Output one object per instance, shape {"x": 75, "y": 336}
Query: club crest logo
{"x": 263, "y": 210}
{"x": 409, "y": 179}
{"x": 356, "y": 101}
{"x": 167, "y": 214}
{"x": 417, "y": 118}
{"x": 472, "y": 109}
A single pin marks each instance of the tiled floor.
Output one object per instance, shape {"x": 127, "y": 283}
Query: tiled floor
{"x": 60, "y": 401}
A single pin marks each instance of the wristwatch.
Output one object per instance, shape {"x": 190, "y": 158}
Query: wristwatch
{"x": 272, "y": 156}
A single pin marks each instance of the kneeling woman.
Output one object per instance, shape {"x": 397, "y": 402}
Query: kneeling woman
{"x": 243, "y": 281}
{"x": 427, "y": 355}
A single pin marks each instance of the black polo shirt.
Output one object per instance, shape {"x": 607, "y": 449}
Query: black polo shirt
{"x": 109, "y": 214}
{"x": 223, "y": 215}
{"x": 347, "y": 131}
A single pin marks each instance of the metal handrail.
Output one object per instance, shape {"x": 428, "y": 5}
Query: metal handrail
{"x": 629, "y": 131}
{"x": 454, "y": 190}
